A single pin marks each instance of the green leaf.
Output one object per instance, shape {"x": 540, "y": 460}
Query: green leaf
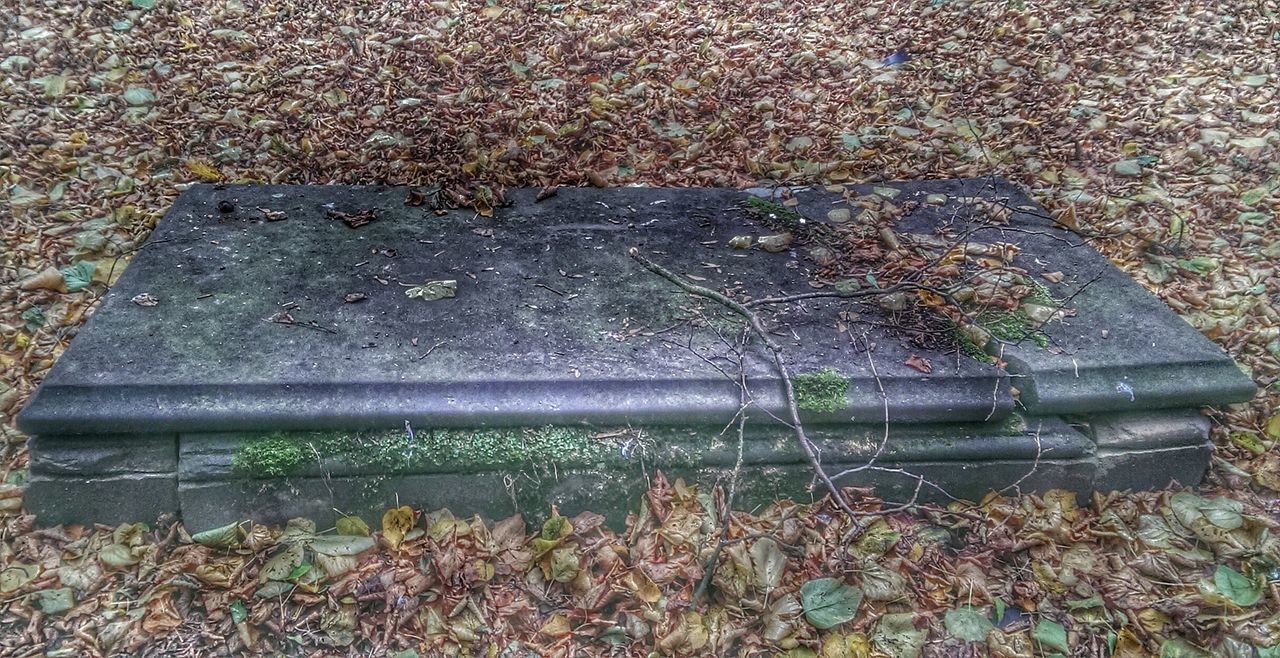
{"x": 967, "y": 624}
{"x": 1221, "y": 512}
{"x": 299, "y": 571}
{"x": 219, "y": 538}
{"x": 138, "y": 96}
{"x": 1199, "y": 264}
{"x": 15, "y": 575}
{"x": 897, "y": 636}
{"x": 117, "y": 556}
{"x": 1051, "y": 634}
{"x": 1241, "y": 590}
{"x": 1253, "y": 196}
{"x": 1179, "y": 648}
{"x": 34, "y": 318}
{"x": 1269, "y": 652}
{"x": 54, "y": 85}
{"x": 239, "y": 612}
{"x": 828, "y": 602}
{"x": 282, "y": 564}
{"x": 80, "y": 275}
{"x": 1254, "y": 217}
{"x": 143, "y": 4}
{"x": 54, "y": 601}
{"x": 562, "y": 566}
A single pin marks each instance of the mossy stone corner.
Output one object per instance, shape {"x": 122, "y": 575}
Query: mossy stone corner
{"x": 562, "y": 372}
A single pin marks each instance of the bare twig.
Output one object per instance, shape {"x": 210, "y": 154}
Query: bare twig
{"x": 780, "y": 366}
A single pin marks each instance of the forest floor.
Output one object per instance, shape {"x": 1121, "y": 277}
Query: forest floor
{"x": 1155, "y": 125}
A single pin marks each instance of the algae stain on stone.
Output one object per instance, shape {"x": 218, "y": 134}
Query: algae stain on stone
{"x": 823, "y": 391}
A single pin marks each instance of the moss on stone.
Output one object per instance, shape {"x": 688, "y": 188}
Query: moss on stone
{"x": 1040, "y": 295}
{"x": 969, "y": 347}
{"x": 276, "y": 455}
{"x": 284, "y": 454}
{"x": 1011, "y": 326}
{"x": 773, "y": 214}
{"x": 822, "y": 391}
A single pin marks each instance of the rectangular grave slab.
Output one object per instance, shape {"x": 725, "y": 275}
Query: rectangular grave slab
{"x": 255, "y": 310}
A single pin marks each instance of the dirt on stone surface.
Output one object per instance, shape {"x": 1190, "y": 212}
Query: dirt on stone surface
{"x": 1152, "y": 130}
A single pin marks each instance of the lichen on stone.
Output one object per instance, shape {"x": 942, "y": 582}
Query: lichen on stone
{"x": 822, "y": 391}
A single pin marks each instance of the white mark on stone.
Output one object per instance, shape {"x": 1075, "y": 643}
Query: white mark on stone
{"x": 1125, "y": 388}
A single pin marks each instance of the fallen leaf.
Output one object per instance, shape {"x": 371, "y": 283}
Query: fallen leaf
{"x": 919, "y": 363}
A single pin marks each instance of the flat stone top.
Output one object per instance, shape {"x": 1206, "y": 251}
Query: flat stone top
{"x": 271, "y": 312}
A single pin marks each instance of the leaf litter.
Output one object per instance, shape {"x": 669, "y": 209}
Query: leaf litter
{"x": 1163, "y": 160}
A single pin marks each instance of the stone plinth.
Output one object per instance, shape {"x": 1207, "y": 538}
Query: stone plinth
{"x": 301, "y": 311}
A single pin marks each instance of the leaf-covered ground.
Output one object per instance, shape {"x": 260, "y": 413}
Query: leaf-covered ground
{"x": 1151, "y": 127}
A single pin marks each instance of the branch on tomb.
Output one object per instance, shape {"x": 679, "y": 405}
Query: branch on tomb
{"x": 757, "y": 327}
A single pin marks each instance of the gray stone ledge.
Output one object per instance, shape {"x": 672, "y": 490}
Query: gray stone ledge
{"x": 58, "y": 500}
{"x": 112, "y": 454}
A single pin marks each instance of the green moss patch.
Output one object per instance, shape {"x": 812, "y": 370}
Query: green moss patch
{"x": 1012, "y": 326}
{"x": 823, "y": 391}
{"x": 284, "y": 454}
{"x": 969, "y": 347}
{"x": 773, "y": 214}
{"x": 272, "y": 456}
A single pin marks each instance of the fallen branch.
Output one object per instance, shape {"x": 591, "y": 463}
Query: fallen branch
{"x": 757, "y": 327}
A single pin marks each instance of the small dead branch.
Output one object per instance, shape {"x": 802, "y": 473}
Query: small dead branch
{"x": 780, "y": 366}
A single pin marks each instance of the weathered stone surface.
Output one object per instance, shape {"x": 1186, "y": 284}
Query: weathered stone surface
{"x": 104, "y": 455}
{"x": 1149, "y": 450}
{"x": 57, "y": 500}
{"x": 549, "y": 323}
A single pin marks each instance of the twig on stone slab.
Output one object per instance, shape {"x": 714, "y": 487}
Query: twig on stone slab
{"x": 870, "y": 292}
{"x": 1035, "y": 465}
{"x": 784, "y": 374}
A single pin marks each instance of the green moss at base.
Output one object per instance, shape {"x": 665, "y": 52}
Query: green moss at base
{"x": 823, "y": 391}
{"x": 284, "y": 454}
{"x": 273, "y": 456}
{"x": 542, "y": 449}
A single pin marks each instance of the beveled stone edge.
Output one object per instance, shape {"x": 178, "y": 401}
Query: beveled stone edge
{"x": 1217, "y": 382}
{"x": 65, "y": 410}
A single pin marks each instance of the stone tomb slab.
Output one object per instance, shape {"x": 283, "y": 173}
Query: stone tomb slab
{"x": 551, "y": 323}
{"x": 273, "y": 315}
